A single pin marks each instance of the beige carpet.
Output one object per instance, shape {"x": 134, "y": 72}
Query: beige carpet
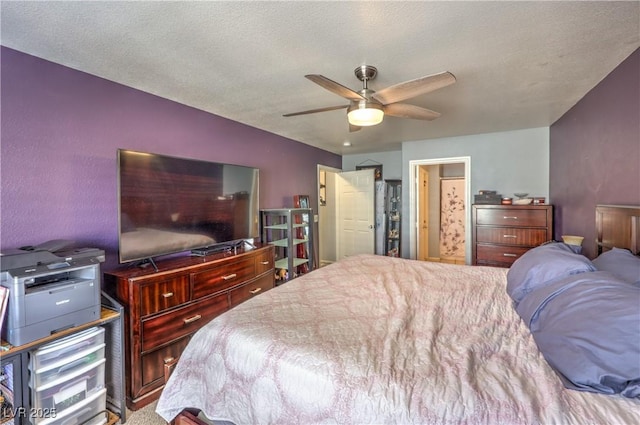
{"x": 145, "y": 416}
{"x": 148, "y": 416}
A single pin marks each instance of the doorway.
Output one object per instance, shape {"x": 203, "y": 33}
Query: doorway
{"x": 327, "y": 215}
{"x": 345, "y": 213}
{"x": 440, "y": 217}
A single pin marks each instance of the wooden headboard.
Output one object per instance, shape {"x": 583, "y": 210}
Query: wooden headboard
{"x": 617, "y": 226}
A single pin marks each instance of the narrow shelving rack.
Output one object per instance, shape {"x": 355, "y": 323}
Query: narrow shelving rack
{"x": 393, "y": 208}
{"x": 291, "y": 232}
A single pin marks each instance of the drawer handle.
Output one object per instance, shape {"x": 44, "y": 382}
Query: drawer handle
{"x": 264, "y": 263}
{"x": 509, "y": 236}
{"x": 167, "y": 295}
{"x": 229, "y": 276}
{"x": 169, "y": 360}
{"x": 192, "y": 319}
{"x": 510, "y": 217}
{"x": 509, "y": 255}
{"x": 255, "y": 291}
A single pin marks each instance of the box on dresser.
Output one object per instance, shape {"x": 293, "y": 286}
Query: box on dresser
{"x": 487, "y": 199}
{"x": 502, "y": 233}
{"x": 165, "y": 308}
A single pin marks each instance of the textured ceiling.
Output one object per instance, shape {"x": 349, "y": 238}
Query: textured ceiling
{"x": 517, "y": 64}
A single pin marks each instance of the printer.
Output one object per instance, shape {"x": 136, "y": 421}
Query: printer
{"x": 51, "y": 288}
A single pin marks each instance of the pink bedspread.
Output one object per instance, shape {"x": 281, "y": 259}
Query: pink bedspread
{"x": 374, "y": 340}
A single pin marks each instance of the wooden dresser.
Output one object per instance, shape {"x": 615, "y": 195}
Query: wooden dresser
{"x": 502, "y": 233}
{"x": 164, "y": 308}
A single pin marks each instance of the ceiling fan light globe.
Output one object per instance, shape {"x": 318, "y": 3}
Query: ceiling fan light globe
{"x": 365, "y": 114}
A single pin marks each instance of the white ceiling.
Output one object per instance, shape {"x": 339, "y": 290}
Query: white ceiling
{"x": 517, "y": 64}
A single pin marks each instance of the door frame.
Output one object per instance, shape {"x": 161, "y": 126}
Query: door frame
{"x": 322, "y": 225}
{"x": 414, "y": 196}
{"x": 422, "y": 248}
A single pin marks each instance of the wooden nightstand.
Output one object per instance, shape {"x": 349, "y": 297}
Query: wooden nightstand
{"x": 502, "y": 233}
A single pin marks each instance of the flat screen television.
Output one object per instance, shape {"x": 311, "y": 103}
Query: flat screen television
{"x": 168, "y": 205}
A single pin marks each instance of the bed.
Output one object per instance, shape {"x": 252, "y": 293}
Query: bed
{"x": 373, "y": 339}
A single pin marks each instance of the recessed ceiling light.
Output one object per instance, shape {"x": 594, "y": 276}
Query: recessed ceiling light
{"x": 347, "y": 143}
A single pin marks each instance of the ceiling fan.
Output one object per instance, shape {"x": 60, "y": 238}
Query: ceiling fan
{"x": 367, "y": 107}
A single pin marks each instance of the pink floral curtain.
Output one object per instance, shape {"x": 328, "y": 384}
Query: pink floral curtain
{"x": 452, "y": 218}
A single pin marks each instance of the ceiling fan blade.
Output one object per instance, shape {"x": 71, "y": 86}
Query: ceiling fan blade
{"x": 334, "y": 87}
{"x": 404, "y": 110}
{"x": 414, "y": 88}
{"x": 353, "y": 128}
{"x": 313, "y": 111}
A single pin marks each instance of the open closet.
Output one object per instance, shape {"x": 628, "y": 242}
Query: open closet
{"x": 442, "y": 212}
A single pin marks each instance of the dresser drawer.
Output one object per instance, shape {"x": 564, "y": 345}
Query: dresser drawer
{"x": 251, "y": 289}
{"x": 264, "y": 261}
{"x": 499, "y": 253}
{"x": 223, "y": 277}
{"x": 511, "y": 236}
{"x": 161, "y": 295}
{"x": 181, "y": 322}
{"x": 512, "y": 217}
{"x": 153, "y": 364}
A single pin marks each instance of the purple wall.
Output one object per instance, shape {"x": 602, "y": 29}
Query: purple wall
{"x": 595, "y": 153}
{"x": 60, "y": 132}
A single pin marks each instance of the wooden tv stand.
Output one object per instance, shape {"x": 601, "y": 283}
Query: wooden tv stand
{"x": 164, "y": 308}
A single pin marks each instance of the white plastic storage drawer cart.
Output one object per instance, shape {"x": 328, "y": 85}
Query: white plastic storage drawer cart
{"x": 67, "y": 380}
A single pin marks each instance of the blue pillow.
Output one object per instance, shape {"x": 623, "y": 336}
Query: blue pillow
{"x": 542, "y": 265}
{"x": 620, "y": 262}
{"x": 586, "y": 327}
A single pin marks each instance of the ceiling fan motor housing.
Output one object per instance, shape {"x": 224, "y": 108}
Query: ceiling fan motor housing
{"x": 366, "y": 112}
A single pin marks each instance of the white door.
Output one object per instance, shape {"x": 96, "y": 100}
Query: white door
{"x": 355, "y": 192}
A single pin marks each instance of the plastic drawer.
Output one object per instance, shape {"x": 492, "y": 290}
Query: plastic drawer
{"x": 70, "y": 389}
{"x": 86, "y": 412}
{"x": 66, "y": 366}
{"x": 56, "y": 352}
